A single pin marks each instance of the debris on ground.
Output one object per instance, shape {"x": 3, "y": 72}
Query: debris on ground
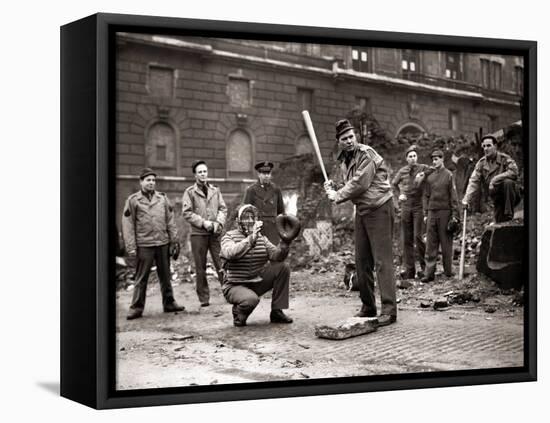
{"x": 348, "y": 328}
{"x": 403, "y": 284}
{"x": 518, "y": 299}
{"x": 440, "y": 303}
{"x": 181, "y": 338}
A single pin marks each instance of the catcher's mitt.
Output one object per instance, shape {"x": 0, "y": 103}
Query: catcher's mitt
{"x": 288, "y": 227}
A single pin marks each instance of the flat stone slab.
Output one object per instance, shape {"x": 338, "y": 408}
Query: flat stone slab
{"x": 501, "y": 255}
{"x": 354, "y": 326}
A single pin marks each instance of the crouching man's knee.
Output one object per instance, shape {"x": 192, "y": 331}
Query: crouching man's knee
{"x": 249, "y": 302}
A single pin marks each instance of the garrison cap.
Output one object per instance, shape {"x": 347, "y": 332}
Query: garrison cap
{"x": 412, "y": 148}
{"x": 196, "y": 163}
{"x": 146, "y": 172}
{"x": 342, "y": 126}
{"x": 437, "y": 153}
{"x": 264, "y": 166}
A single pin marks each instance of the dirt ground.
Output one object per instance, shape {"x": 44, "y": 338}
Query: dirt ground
{"x": 478, "y": 327}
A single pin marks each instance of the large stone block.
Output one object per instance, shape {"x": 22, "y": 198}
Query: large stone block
{"x": 319, "y": 239}
{"x": 353, "y": 326}
{"x": 501, "y": 256}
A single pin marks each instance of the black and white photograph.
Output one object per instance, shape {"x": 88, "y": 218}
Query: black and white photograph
{"x": 283, "y": 211}
{"x": 309, "y": 210}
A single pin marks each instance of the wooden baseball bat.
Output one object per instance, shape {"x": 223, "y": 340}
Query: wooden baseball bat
{"x": 313, "y": 138}
{"x": 463, "y": 247}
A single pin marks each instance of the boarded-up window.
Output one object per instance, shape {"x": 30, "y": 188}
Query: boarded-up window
{"x": 491, "y": 74}
{"x": 493, "y": 123}
{"x": 303, "y": 145}
{"x": 239, "y": 92}
{"x": 365, "y": 105}
{"x": 160, "y": 149}
{"x": 161, "y": 81}
{"x": 496, "y": 76}
{"x": 485, "y": 73}
{"x": 454, "y": 120}
{"x": 305, "y": 99}
{"x": 239, "y": 154}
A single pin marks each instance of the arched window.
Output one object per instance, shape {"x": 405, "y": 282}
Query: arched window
{"x": 160, "y": 147}
{"x": 239, "y": 154}
{"x": 303, "y": 145}
{"x": 410, "y": 130}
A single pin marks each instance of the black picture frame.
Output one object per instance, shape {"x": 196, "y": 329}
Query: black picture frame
{"x": 87, "y": 196}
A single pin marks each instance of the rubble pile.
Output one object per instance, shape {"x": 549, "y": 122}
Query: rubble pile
{"x": 475, "y": 226}
{"x": 302, "y": 175}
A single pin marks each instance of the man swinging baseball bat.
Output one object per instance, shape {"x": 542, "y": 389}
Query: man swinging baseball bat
{"x": 367, "y": 185}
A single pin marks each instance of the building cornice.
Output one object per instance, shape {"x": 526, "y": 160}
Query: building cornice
{"x": 335, "y": 73}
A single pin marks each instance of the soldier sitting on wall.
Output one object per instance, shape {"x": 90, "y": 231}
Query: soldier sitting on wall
{"x": 498, "y": 173}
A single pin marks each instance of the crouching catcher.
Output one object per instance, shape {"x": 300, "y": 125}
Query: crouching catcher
{"x": 253, "y": 265}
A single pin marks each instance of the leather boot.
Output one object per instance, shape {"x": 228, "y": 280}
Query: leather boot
{"x": 239, "y": 319}
{"x": 134, "y": 313}
{"x": 173, "y": 307}
{"x": 364, "y": 312}
{"x": 277, "y": 316}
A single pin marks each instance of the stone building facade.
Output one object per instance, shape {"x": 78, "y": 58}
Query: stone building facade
{"x": 236, "y": 102}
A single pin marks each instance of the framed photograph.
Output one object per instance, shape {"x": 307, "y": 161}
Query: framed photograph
{"x": 258, "y": 211}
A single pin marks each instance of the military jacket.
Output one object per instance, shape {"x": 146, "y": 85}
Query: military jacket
{"x": 404, "y": 183}
{"x": 196, "y": 207}
{"x": 487, "y": 171}
{"x": 440, "y": 191}
{"x": 268, "y": 199}
{"x": 366, "y": 178}
{"x": 148, "y": 222}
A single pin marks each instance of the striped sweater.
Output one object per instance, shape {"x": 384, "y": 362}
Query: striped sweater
{"x": 244, "y": 260}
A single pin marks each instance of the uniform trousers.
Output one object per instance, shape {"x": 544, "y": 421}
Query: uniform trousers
{"x": 437, "y": 235}
{"x": 412, "y": 231}
{"x": 505, "y": 197}
{"x": 146, "y": 257}
{"x": 246, "y": 296}
{"x": 200, "y": 245}
{"x": 373, "y": 250}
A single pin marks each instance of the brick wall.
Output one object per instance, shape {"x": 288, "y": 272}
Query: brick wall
{"x": 202, "y": 116}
